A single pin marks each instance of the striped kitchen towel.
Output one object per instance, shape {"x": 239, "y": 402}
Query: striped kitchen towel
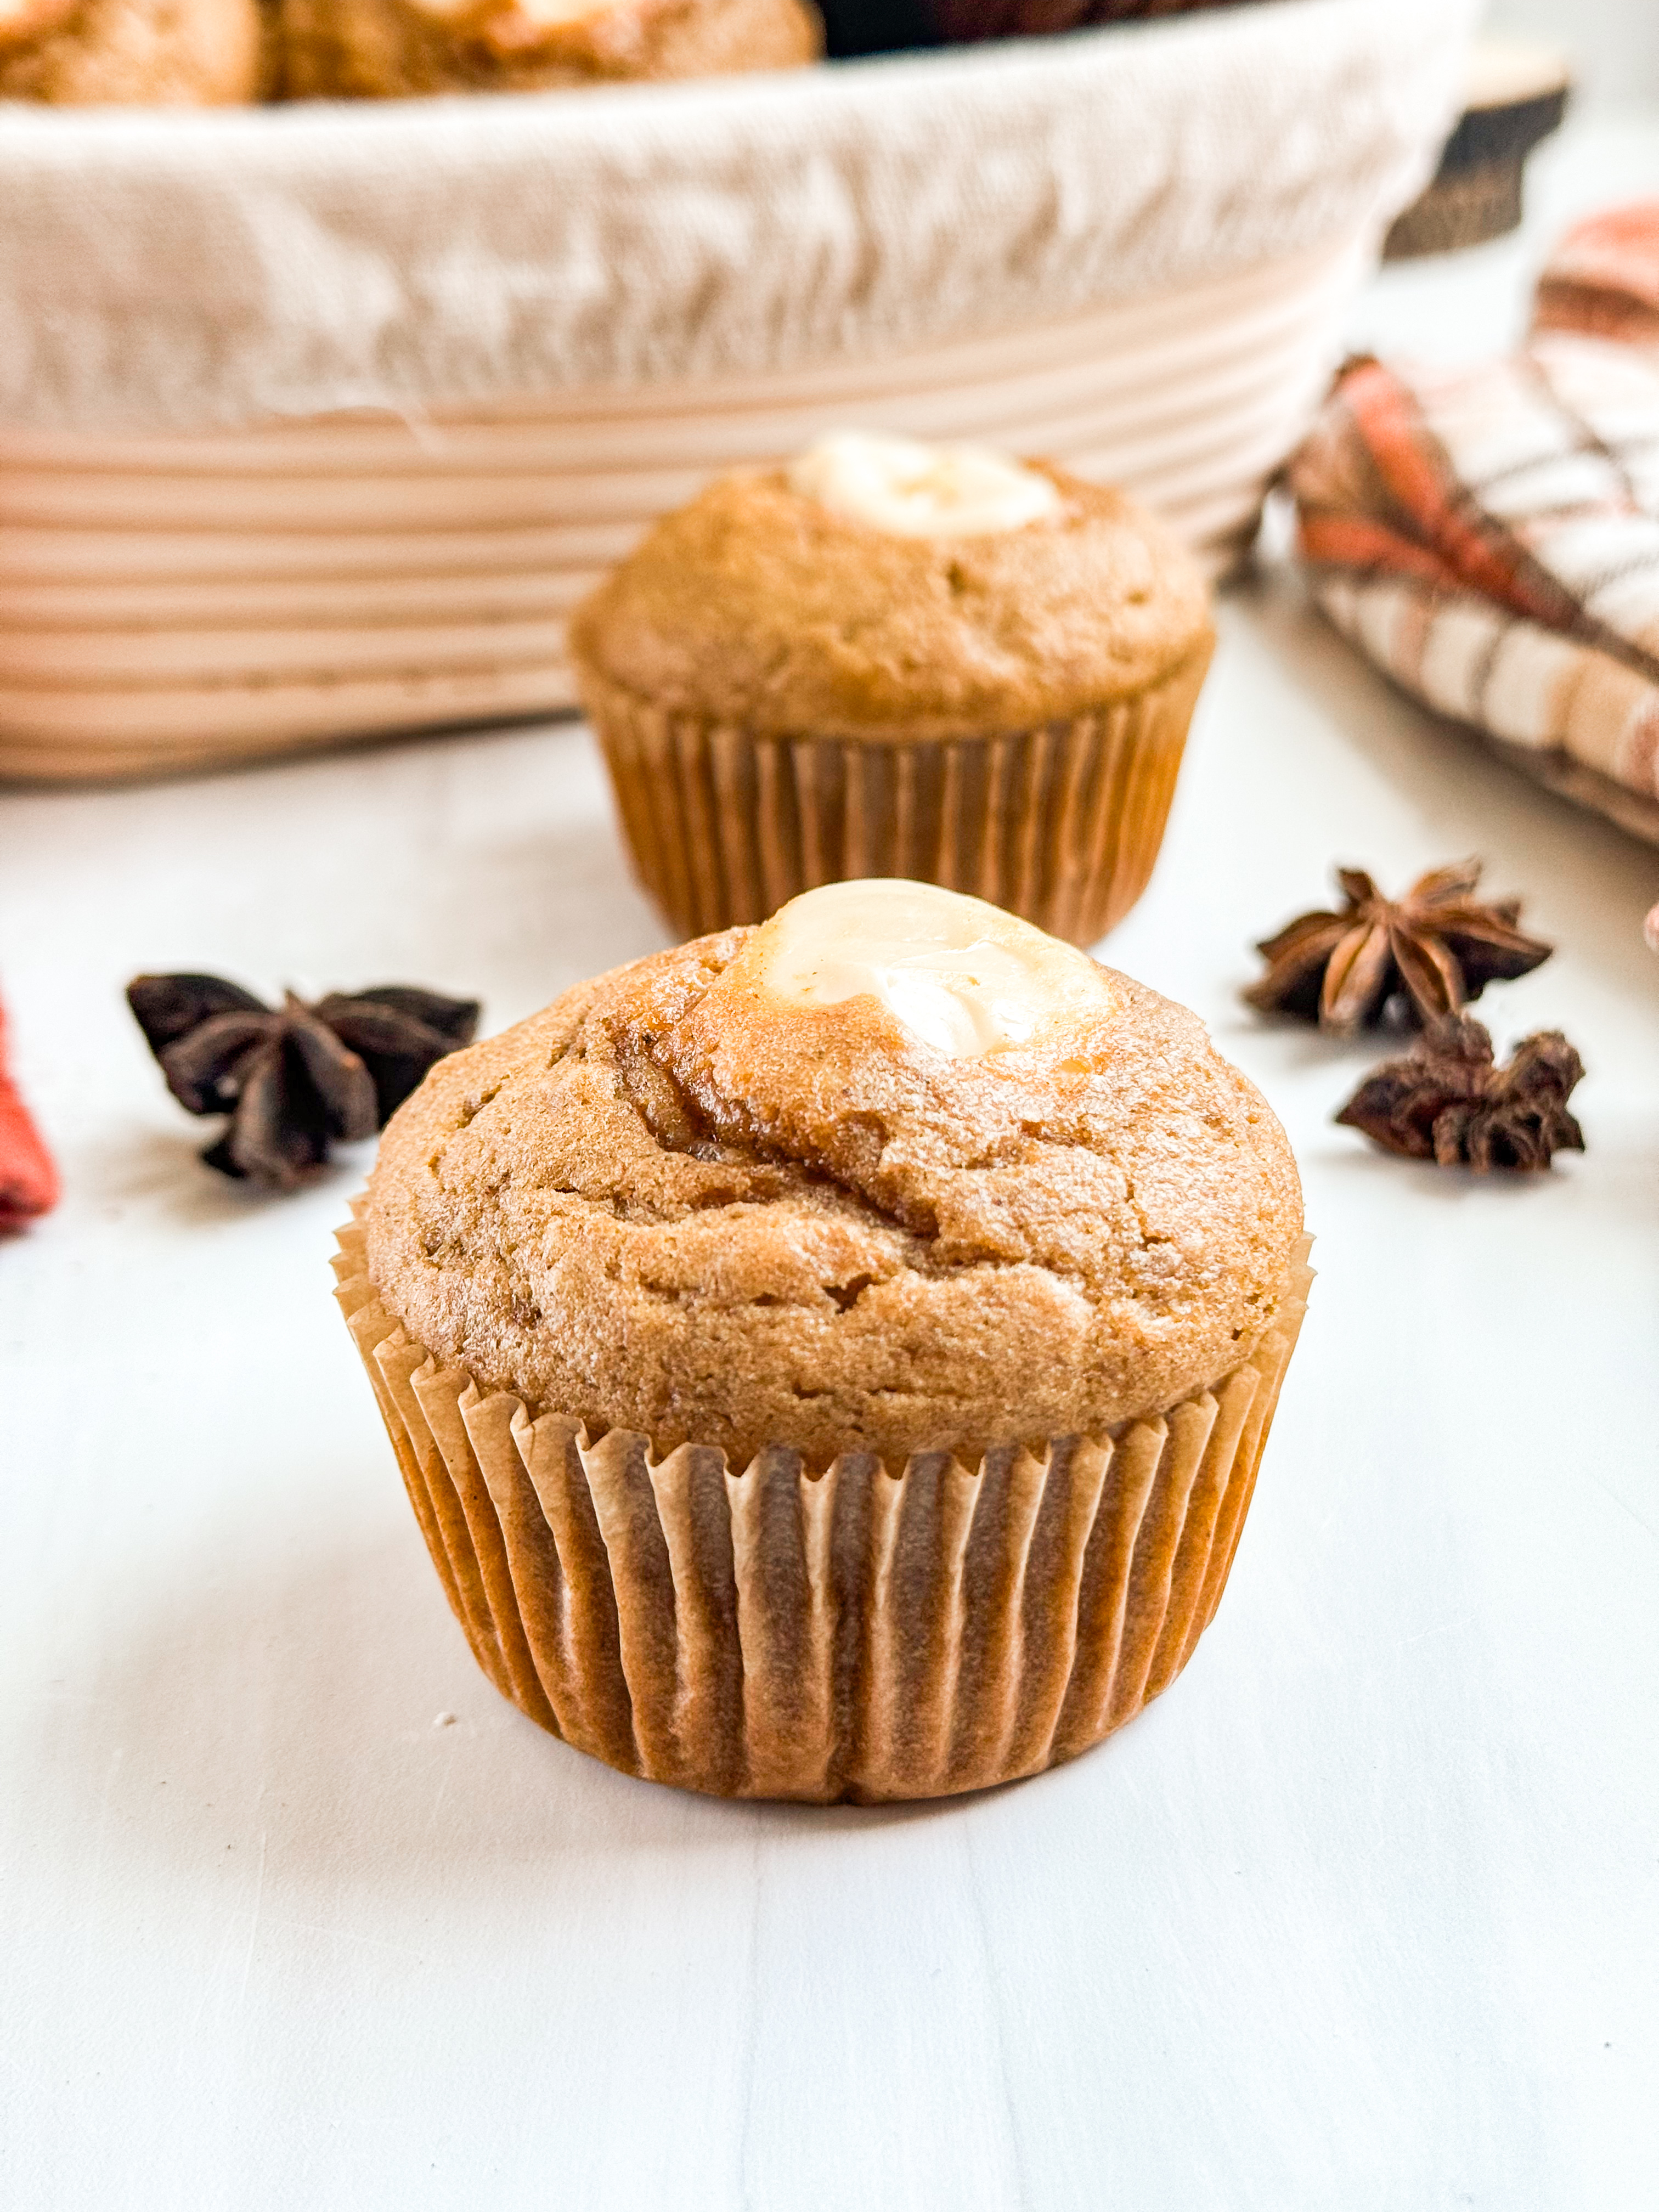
{"x": 1490, "y": 537}
{"x": 1603, "y": 277}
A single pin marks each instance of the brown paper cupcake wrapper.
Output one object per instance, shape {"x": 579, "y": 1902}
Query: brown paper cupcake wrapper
{"x": 1061, "y": 824}
{"x": 849, "y": 1635}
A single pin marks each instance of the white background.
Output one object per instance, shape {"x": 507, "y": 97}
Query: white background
{"x": 1361, "y": 1917}
{"x": 1613, "y": 43}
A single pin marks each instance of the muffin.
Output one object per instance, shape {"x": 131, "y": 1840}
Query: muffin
{"x": 389, "y": 49}
{"x": 896, "y": 659}
{"x": 831, "y": 1359}
{"x": 157, "y": 53}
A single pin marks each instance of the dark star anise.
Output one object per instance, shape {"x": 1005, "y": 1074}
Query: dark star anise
{"x": 1446, "y": 1101}
{"x": 294, "y": 1079}
{"x": 1425, "y": 955}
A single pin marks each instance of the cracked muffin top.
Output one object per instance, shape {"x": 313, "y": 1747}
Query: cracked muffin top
{"x": 880, "y": 588}
{"x": 893, "y": 1172}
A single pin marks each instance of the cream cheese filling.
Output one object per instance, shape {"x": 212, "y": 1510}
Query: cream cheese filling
{"x": 518, "y": 20}
{"x": 959, "y": 974}
{"x": 913, "y": 491}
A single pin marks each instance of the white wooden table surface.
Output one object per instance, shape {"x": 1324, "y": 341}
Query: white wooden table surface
{"x": 1362, "y": 1916}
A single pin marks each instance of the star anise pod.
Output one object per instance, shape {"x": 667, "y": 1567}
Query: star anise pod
{"x": 1447, "y": 1100}
{"x": 293, "y": 1078}
{"x": 1425, "y": 955}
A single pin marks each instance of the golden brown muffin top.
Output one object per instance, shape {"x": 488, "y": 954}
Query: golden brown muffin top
{"x": 685, "y": 1200}
{"x": 390, "y": 49}
{"x": 164, "y": 53}
{"x": 761, "y": 606}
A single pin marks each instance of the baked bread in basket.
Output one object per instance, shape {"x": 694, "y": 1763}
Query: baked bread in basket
{"x": 149, "y": 53}
{"x": 390, "y": 49}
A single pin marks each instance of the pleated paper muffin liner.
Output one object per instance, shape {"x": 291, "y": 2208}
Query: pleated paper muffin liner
{"x": 1061, "y": 825}
{"x": 851, "y": 1634}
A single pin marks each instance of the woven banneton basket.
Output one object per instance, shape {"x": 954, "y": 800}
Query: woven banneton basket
{"x": 314, "y": 422}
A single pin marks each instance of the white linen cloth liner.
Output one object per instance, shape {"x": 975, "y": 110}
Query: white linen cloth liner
{"x": 164, "y": 270}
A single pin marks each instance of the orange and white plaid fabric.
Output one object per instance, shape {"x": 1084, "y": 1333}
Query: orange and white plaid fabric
{"x": 1603, "y": 277}
{"x": 1489, "y": 536}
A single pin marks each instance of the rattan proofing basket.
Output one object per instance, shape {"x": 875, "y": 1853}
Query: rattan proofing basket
{"x": 314, "y": 424}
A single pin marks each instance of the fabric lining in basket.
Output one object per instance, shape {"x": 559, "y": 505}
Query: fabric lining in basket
{"x": 185, "y": 271}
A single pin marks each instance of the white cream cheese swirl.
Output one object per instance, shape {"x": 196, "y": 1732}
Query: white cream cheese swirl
{"x": 959, "y": 974}
{"x": 516, "y": 23}
{"x": 913, "y": 491}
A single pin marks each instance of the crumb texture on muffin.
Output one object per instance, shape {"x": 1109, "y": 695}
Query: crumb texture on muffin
{"x": 760, "y": 606}
{"x": 676, "y": 1204}
{"x": 391, "y": 49}
{"x": 159, "y": 53}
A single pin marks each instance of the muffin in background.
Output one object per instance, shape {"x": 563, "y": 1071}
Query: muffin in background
{"x": 891, "y": 659}
{"x": 832, "y": 1360}
{"x": 392, "y": 49}
{"x": 155, "y": 53}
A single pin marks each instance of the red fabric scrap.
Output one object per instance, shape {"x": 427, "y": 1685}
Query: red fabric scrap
{"x": 28, "y": 1174}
